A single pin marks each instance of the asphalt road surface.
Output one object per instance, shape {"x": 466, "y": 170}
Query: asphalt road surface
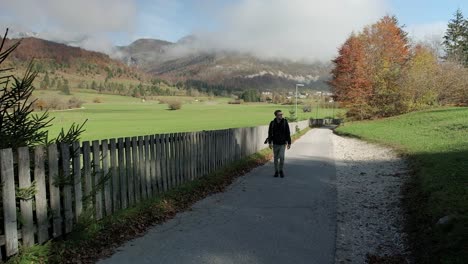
{"x": 259, "y": 219}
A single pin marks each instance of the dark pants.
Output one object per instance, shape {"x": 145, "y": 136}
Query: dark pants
{"x": 278, "y": 154}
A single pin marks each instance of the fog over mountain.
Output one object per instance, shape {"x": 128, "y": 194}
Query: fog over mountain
{"x": 293, "y": 29}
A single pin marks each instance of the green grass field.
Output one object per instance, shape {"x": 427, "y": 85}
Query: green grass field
{"x": 436, "y": 144}
{"x": 119, "y": 116}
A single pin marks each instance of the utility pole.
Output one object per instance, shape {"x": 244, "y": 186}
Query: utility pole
{"x": 298, "y": 84}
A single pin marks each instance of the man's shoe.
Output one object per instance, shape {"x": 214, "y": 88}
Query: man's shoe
{"x": 276, "y": 174}
{"x": 281, "y": 174}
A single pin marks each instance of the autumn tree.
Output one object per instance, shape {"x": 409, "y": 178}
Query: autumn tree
{"x": 420, "y": 79}
{"x": 368, "y": 68}
{"x": 350, "y": 80}
{"x": 387, "y": 51}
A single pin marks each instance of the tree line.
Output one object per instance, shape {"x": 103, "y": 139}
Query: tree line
{"x": 379, "y": 73}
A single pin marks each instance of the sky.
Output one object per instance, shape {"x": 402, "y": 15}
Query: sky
{"x": 294, "y": 29}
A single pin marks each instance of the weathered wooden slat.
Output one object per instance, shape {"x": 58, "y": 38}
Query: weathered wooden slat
{"x": 173, "y": 161}
{"x": 208, "y": 151}
{"x": 97, "y": 183}
{"x": 130, "y": 170}
{"x": 167, "y": 149}
{"x": 9, "y": 201}
{"x": 168, "y": 162}
{"x": 148, "y": 181}
{"x": 201, "y": 153}
{"x": 142, "y": 169}
{"x": 67, "y": 187}
{"x": 192, "y": 152}
{"x": 136, "y": 170}
{"x": 188, "y": 141}
{"x": 187, "y": 157}
{"x": 183, "y": 162}
{"x": 152, "y": 165}
{"x": 172, "y": 141}
{"x": 115, "y": 189}
{"x": 87, "y": 174}
{"x": 157, "y": 160}
{"x": 186, "y": 160}
{"x": 78, "y": 191}
{"x": 164, "y": 169}
{"x": 122, "y": 174}
{"x": 41, "y": 196}
{"x": 54, "y": 190}
{"x": 181, "y": 158}
{"x": 24, "y": 177}
{"x": 106, "y": 177}
{"x": 177, "y": 158}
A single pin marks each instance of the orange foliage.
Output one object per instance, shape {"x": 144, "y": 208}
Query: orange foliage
{"x": 368, "y": 68}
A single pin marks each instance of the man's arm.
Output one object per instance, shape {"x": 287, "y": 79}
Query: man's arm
{"x": 288, "y": 133}
{"x": 270, "y": 133}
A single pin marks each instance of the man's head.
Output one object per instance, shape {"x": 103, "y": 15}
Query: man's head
{"x": 279, "y": 114}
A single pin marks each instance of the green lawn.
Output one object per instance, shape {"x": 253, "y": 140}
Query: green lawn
{"x": 436, "y": 144}
{"x": 119, "y": 116}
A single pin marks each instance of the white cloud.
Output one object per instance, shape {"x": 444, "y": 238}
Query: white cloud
{"x": 85, "y": 23}
{"x": 294, "y": 29}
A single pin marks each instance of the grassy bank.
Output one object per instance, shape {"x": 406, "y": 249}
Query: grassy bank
{"x": 92, "y": 240}
{"x": 436, "y": 145}
{"x": 119, "y": 116}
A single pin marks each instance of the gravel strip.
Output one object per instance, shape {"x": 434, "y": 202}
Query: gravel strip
{"x": 369, "y": 213}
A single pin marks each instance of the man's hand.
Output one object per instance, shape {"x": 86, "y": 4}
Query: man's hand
{"x": 289, "y": 146}
{"x": 270, "y": 145}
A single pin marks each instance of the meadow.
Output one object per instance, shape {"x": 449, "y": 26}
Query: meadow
{"x": 121, "y": 116}
{"x": 436, "y": 145}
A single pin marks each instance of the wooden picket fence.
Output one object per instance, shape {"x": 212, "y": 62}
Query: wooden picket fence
{"x": 46, "y": 189}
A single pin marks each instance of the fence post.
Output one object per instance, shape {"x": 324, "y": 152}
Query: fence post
{"x": 87, "y": 171}
{"x": 76, "y": 156}
{"x": 148, "y": 182}
{"x": 106, "y": 177}
{"x": 142, "y": 169}
{"x": 54, "y": 190}
{"x": 24, "y": 177}
{"x": 97, "y": 185}
{"x": 122, "y": 173}
{"x": 129, "y": 171}
{"x": 172, "y": 159}
{"x": 9, "y": 201}
{"x": 41, "y": 196}
{"x": 177, "y": 158}
{"x": 153, "y": 173}
{"x": 164, "y": 161}
{"x": 157, "y": 160}
{"x": 115, "y": 176}
{"x": 136, "y": 170}
{"x": 67, "y": 195}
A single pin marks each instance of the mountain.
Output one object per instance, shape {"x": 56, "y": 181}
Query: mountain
{"x": 188, "y": 61}
{"x": 143, "y": 52}
{"x": 49, "y": 55}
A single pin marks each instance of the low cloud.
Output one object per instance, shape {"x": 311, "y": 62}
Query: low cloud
{"x": 293, "y": 29}
{"x": 273, "y": 29}
{"x": 85, "y": 23}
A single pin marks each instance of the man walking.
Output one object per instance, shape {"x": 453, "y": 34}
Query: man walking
{"x": 279, "y": 137}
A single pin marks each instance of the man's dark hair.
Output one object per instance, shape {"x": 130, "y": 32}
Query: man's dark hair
{"x": 277, "y": 111}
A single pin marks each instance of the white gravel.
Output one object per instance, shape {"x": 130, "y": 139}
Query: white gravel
{"x": 369, "y": 218}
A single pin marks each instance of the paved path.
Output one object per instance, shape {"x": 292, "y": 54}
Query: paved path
{"x": 259, "y": 219}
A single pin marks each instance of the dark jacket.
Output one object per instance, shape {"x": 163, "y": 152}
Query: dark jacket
{"x": 278, "y": 133}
